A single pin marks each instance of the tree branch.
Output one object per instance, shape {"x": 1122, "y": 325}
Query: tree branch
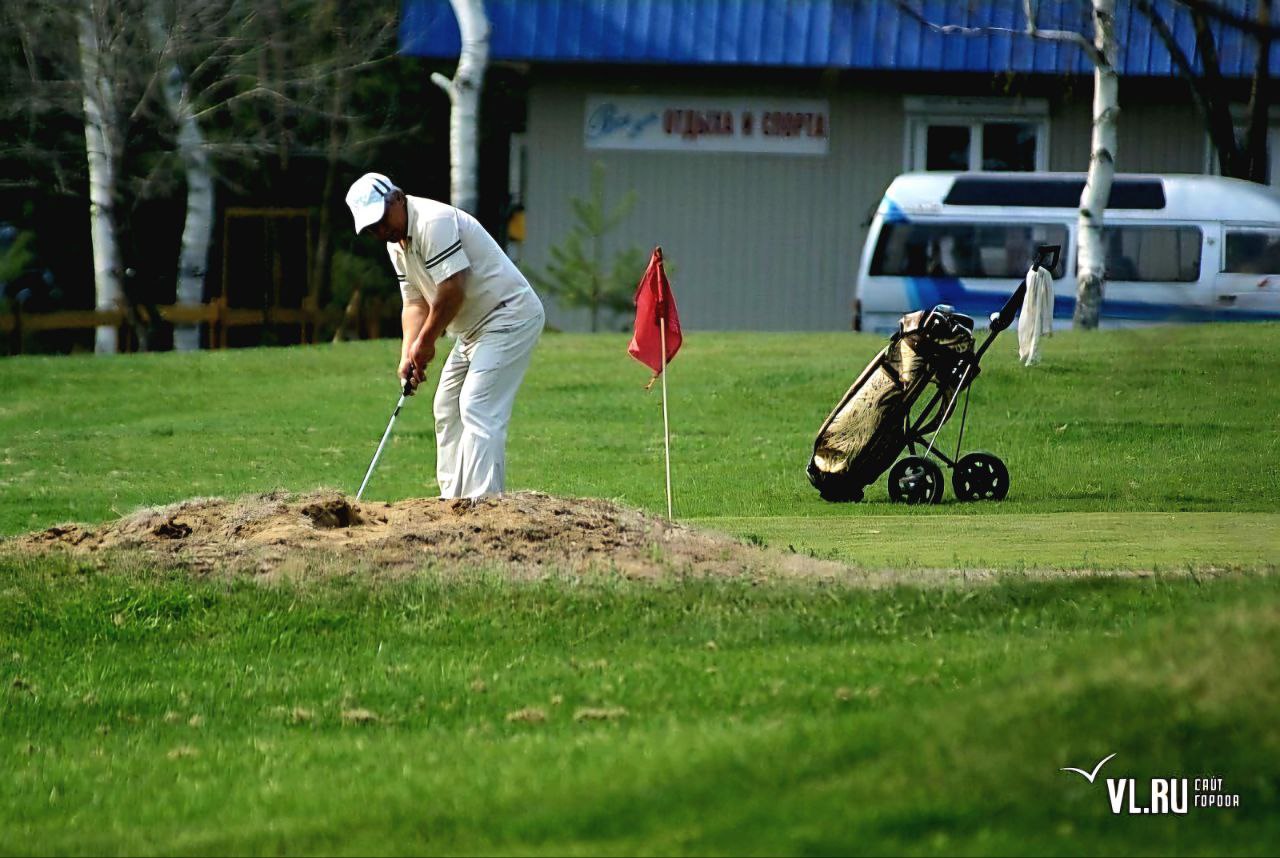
{"x": 1030, "y": 31}
{"x": 1235, "y": 19}
{"x": 1181, "y": 61}
{"x": 159, "y": 67}
{"x": 1255, "y": 138}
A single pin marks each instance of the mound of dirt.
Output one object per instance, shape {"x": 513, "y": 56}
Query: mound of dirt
{"x": 525, "y": 534}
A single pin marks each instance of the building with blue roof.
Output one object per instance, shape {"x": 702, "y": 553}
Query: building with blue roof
{"x": 758, "y": 135}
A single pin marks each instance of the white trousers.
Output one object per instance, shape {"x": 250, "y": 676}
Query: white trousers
{"x": 473, "y": 402}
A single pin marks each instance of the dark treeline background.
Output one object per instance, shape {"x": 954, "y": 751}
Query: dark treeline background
{"x": 294, "y": 99}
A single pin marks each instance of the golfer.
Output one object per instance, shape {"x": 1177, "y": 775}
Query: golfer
{"x": 455, "y": 279}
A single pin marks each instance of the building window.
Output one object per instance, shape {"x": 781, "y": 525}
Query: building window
{"x": 1009, "y": 146}
{"x": 946, "y": 147}
{"x": 991, "y": 135}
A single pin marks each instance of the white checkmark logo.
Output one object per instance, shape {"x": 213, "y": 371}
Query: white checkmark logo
{"x": 1089, "y": 776}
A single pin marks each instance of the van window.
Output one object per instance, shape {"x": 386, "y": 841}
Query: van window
{"x": 1052, "y": 193}
{"x": 1144, "y": 254}
{"x": 1252, "y": 252}
{"x": 1002, "y": 250}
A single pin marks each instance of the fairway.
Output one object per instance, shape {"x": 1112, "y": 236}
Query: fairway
{"x": 1101, "y": 541}
{"x": 153, "y": 710}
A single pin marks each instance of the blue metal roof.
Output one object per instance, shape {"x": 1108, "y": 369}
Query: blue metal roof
{"x": 842, "y": 34}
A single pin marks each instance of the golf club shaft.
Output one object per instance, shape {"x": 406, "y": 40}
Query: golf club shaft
{"x": 381, "y": 444}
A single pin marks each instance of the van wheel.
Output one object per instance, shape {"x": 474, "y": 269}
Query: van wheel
{"x": 915, "y": 480}
{"x": 980, "y": 476}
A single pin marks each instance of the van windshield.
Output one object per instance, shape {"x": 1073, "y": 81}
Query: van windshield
{"x": 1002, "y": 250}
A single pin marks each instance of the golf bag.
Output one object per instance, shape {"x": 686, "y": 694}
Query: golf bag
{"x": 872, "y": 423}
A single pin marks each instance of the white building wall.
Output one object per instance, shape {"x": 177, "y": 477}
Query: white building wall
{"x": 757, "y": 242}
{"x": 772, "y": 242}
{"x": 1153, "y": 137}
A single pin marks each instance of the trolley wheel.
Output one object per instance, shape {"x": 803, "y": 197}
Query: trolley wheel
{"x": 915, "y": 480}
{"x": 980, "y": 476}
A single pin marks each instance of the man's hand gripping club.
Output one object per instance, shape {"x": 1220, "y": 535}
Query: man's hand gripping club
{"x": 413, "y": 367}
{"x": 422, "y": 325}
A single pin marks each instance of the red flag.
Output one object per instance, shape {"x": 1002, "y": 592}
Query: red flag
{"x": 655, "y": 302}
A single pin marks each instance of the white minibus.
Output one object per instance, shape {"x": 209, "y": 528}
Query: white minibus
{"x": 1179, "y": 248}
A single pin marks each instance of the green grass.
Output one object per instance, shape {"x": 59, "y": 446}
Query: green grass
{"x": 783, "y": 719}
{"x": 1154, "y": 420}
{"x": 761, "y": 718}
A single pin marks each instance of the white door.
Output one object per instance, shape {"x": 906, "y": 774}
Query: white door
{"x": 1247, "y": 285}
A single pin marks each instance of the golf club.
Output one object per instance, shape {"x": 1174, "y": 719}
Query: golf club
{"x": 405, "y": 391}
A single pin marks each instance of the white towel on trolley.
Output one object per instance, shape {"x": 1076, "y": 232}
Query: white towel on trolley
{"x": 1036, "y": 318}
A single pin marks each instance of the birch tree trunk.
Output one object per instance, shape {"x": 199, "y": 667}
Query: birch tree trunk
{"x": 197, "y": 231}
{"x": 1092, "y": 258}
{"x": 464, "y": 97}
{"x": 102, "y": 151}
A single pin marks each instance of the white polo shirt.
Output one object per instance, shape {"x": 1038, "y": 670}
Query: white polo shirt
{"x": 441, "y": 241}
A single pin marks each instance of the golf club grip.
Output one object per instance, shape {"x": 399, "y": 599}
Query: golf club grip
{"x": 1004, "y": 318}
{"x": 1046, "y": 257}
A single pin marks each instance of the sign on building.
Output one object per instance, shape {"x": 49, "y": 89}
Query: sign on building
{"x": 779, "y": 126}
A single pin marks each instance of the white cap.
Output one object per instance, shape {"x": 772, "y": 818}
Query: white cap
{"x": 367, "y": 198}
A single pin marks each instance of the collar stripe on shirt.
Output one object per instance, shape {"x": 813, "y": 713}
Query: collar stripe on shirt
{"x": 443, "y": 255}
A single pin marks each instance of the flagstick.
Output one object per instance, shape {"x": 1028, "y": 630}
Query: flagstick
{"x": 666, "y": 427}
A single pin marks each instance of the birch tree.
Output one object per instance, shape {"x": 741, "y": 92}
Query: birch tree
{"x": 197, "y": 230}
{"x": 100, "y": 50}
{"x": 1101, "y": 51}
{"x": 292, "y": 64}
{"x": 464, "y": 98}
{"x": 103, "y": 137}
{"x": 1091, "y": 264}
{"x": 218, "y": 82}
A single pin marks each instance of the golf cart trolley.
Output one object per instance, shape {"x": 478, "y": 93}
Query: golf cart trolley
{"x": 872, "y": 423}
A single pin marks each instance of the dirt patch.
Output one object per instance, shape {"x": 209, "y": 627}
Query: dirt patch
{"x": 332, "y": 512}
{"x": 525, "y": 534}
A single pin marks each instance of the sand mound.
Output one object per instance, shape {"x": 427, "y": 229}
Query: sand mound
{"x": 525, "y": 534}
